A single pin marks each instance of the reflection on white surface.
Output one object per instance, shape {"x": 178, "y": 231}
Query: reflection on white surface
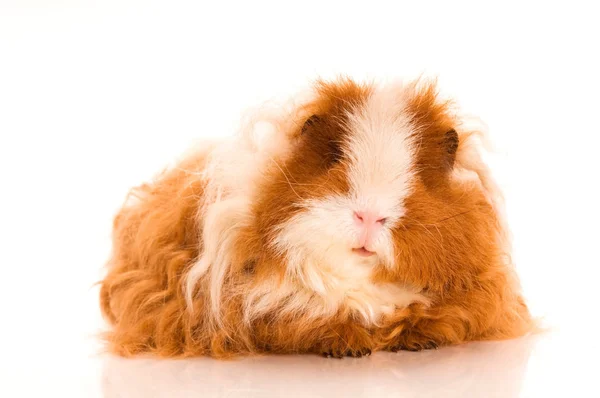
{"x": 489, "y": 369}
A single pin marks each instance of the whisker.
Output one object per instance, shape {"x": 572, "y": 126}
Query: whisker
{"x": 456, "y": 215}
{"x": 424, "y": 226}
{"x": 286, "y": 178}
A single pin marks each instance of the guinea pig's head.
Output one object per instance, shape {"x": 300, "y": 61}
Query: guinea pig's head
{"x": 359, "y": 155}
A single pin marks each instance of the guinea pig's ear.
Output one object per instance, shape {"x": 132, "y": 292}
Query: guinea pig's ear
{"x": 450, "y": 146}
{"x": 310, "y": 123}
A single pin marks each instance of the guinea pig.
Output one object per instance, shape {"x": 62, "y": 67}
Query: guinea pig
{"x": 357, "y": 218}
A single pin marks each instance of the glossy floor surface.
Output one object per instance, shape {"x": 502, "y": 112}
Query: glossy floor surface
{"x": 506, "y": 369}
{"x": 536, "y": 366}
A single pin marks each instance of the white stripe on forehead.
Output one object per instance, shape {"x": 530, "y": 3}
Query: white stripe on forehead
{"x": 381, "y": 152}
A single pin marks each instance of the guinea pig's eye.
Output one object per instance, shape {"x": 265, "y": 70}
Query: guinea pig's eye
{"x": 451, "y": 146}
{"x": 319, "y": 136}
{"x": 451, "y": 141}
{"x": 310, "y": 122}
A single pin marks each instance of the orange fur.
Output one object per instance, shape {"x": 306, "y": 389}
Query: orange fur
{"x": 451, "y": 245}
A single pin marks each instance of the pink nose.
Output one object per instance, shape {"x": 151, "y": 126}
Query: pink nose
{"x": 370, "y": 223}
{"x": 368, "y": 218}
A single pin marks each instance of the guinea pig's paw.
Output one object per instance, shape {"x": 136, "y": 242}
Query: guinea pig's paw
{"x": 414, "y": 342}
{"x": 349, "y": 352}
{"x": 333, "y": 353}
{"x": 358, "y": 353}
{"x": 416, "y": 346}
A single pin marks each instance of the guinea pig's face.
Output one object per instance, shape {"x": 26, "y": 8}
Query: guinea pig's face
{"x": 340, "y": 196}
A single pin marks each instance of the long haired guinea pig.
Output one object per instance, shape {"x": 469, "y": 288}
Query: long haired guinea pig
{"x": 362, "y": 219}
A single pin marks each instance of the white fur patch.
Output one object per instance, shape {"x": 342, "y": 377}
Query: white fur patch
{"x": 381, "y": 154}
{"x": 366, "y": 300}
{"x": 233, "y": 170}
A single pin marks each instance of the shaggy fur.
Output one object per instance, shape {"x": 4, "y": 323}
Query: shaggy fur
{"x": 249, "y": 245}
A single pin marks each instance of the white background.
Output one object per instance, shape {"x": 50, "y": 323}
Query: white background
{"x": 98, "y": 96}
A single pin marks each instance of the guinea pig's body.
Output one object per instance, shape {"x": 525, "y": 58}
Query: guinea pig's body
{"x": 365, "y": 220}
